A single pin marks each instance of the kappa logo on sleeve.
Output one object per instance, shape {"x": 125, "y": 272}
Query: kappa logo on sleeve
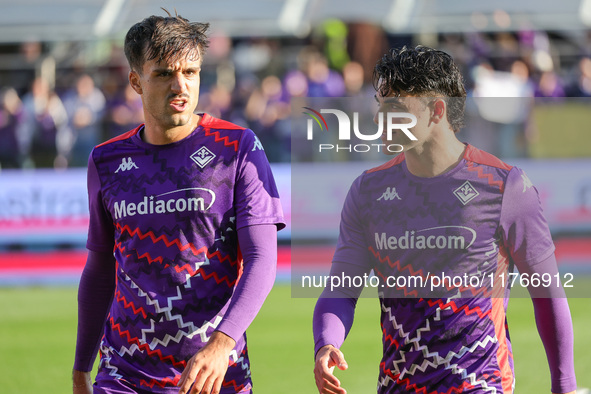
{"x": 526, "y": 182}
{"x": 257, "y": 144}
{"x": 126, "y": 165}
{"x": 466, "y": 193}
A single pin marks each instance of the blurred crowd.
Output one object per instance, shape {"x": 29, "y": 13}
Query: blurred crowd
{"x": 54, "y": 118}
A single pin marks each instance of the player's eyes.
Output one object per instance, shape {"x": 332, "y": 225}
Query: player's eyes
{"x": 394, "y": 107}
{"x": 389, "y": 107}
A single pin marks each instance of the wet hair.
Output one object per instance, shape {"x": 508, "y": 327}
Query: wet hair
{"x": 422, "y": 71}
{"x": 169, "y": 39}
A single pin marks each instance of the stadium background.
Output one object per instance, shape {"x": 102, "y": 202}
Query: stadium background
{"x": 62, "y": 90}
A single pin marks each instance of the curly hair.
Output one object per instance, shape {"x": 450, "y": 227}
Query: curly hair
{"x": 422, "y": 71}
{"x": 169, "y": 39}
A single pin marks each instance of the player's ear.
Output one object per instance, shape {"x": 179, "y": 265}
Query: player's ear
{"x": 438, "y": 108}
{"x": 135, "y": 82}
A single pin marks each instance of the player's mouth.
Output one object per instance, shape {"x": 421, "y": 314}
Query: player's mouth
{"x": 179, "y": 104}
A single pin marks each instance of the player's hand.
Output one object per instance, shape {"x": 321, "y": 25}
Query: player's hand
{"x": 207, "y": 368}
{"x": 326, "y": 359}
{"x": 82, "y": 384}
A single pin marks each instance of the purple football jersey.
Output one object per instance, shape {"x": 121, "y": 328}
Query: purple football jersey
{"x": 479, "y": 219}
{"x": 171, "y": 213}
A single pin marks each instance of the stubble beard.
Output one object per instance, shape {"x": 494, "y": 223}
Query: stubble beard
{"x": 178, "y": 120}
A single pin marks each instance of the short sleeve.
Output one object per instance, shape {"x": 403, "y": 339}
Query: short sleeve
{"x": 524, "y": 228}
{"x": 256, "y": 196}
{"x": 101, "y": 236}
{"x": 352, "y": 247}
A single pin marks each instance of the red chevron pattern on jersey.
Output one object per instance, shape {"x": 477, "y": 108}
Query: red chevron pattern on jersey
{"x": 169, "y": 243}
{"x": 161, "y": 383}
{"x": 225, "y": 140}
{"x": 424, "y": 278}
{"x": 143, "y": 346}
{"x": 481, "y": 174}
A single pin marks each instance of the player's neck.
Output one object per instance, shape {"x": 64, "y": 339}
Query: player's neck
{"x": 436, "y": 156}
{"x": 157, "y": 135}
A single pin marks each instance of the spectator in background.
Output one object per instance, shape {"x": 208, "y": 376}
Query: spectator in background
{"x": 85, "y": 106}
{"x": 353, "y": 78}
{"x": 322, "y": 81}
{"x": 26, "y": 65}
{"x": 218, "y": 101}
{"x": 273, "y": 119}
{"x": 335, "y": 48}
{"x": 549, "y": 85}
{"x": 43, "y": 133}
{"x": 505, "y": 100}
{"x": 124, "y": 112}
{"x": 296, "y": 84}
{"x": 314, "y": 66}
{"x": 10, "y": 116}
{"x": 581, "y": 87}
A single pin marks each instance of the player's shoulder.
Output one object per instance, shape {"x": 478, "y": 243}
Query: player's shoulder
{"x": 105, "y": 150}
{"x": 478, "y": 156}
{"x": 228, "y": 133}
{"x": 211, "y": 122}
{"x": 121, "y": 137}
{"x": 376, "y": 174}
{"x": 387, "y": 165}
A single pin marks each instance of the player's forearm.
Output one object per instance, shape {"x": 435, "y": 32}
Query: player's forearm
{"x": 333, "y": 318}
{"x": 95, "y": 294}
{"x": 335, "y": 309}
{"x": 81, "y": 381}
{"x": 221, "y": 341}
{"x": 258, "y": 245}
{"x": 554, "y": 324}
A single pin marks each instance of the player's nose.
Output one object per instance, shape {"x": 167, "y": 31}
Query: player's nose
{"x": 178, "y": 84}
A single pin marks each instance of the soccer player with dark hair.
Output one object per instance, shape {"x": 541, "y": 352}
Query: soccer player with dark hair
{"x": 441, "y": 206}
{"x": 182, "y": 240}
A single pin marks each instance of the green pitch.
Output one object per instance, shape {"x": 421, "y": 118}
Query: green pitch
{"x": 38, "y": 334}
